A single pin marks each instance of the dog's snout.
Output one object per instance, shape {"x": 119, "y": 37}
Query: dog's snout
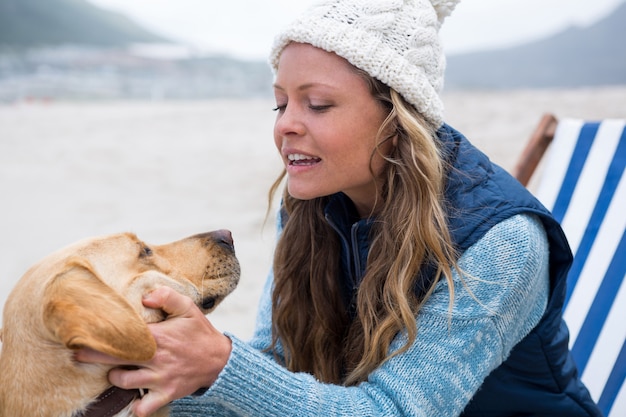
{"x": 221, "y": 237}
{"x": 224, "y": 238}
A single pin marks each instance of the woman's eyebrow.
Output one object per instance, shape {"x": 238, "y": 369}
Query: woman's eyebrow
{"x": 306, "y": 86}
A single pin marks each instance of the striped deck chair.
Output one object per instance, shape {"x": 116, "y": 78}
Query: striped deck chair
{"x": 583, "y": 184}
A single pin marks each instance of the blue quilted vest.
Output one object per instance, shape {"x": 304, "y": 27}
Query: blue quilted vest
{"x": 539, "y": 378}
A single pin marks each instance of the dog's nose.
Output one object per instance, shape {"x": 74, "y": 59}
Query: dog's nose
{"x": 224, "y": 237}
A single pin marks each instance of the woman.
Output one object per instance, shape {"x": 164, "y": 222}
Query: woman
{"x": 411, "y": 276}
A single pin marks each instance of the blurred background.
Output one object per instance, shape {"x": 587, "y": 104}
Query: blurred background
{"x": 194, "y": 49}
{"x": 154, "y": 116}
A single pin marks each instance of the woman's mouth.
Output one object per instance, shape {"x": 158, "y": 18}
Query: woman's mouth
{"x": 297, "y": 159}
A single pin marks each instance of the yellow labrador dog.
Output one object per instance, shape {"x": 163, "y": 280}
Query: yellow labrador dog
{"x": 89, "y": 295}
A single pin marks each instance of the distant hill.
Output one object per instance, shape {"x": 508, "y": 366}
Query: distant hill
{"x": 69, "y": 61}
{"x": 29, "y": 23}
{"x": 576, "y": 57}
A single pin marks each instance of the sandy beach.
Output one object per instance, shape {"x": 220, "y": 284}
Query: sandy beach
{"x": 165, "y": 170}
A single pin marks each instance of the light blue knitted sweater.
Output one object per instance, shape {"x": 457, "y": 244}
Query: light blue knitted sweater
{"x": 501, "y": 297}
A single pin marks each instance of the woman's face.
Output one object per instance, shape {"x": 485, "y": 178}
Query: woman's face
{"x": 326, "y": 127}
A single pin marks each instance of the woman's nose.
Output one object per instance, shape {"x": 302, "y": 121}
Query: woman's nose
{"x": 289, "y": 122}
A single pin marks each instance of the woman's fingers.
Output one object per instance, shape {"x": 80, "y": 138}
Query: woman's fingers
{"x": 135, "y": 378}
{"x": 170, "y": 301}
{"x": 190, "y": 354}
{"x": 150, "y": 403}
{"x": 88, "y": 355}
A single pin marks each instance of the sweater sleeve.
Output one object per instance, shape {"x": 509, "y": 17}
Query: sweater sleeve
{"x": 499, "y": 297}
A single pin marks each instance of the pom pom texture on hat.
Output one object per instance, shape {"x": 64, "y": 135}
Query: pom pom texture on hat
{"x": 444, "y": 8}
{"x": 395, "y": 41}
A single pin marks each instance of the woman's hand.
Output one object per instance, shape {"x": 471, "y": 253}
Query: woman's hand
{"x": 190, "y": 354}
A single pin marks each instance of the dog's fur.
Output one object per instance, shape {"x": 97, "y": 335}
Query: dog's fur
{"x": 90, "y": 295}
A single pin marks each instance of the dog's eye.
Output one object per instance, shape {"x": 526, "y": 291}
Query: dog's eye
{"x": 145, "y": 251}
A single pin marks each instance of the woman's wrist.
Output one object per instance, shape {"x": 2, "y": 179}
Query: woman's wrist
{"x": 221, "y": 349}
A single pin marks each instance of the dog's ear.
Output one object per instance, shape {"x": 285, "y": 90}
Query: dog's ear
{"x": 82, "y": 311}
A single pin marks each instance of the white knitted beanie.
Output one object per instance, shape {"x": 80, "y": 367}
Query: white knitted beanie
{"x": 395, "y": 41}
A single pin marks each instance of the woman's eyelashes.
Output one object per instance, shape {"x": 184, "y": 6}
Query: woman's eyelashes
{"x": 314, "y": 107}
{"x": 320, "y": 108}
{"x": 280, "y": 107}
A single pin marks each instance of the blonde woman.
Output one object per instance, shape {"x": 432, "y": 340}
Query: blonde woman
{"x": 412, "y": 277}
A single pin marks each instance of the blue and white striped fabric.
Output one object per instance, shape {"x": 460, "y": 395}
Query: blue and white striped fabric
{"x": 584, "y": 185}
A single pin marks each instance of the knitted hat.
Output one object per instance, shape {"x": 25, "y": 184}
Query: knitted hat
{"x": 395, "y": 41}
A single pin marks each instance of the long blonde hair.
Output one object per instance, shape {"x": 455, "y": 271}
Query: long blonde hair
{"x": 410, "y": 232}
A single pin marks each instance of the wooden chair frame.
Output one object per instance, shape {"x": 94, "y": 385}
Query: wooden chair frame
{"x": 535, "y": 149}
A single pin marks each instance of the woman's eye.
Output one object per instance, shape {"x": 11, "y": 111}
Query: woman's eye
{"x": 315, "y": 108}
{"x": 280, "y": 107}
{"x": 320, "y": 108}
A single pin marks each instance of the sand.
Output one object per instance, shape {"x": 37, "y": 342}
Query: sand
{"x": 165, "y": 170}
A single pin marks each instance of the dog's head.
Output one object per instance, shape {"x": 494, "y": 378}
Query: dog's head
{"x": 91, "y": 292}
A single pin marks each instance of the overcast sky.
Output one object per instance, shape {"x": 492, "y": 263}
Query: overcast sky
{"x": 245, "y": 28}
